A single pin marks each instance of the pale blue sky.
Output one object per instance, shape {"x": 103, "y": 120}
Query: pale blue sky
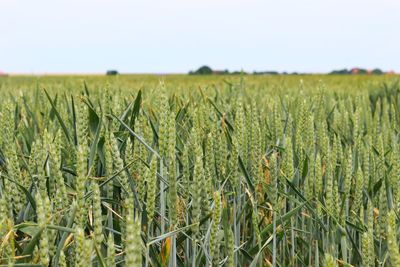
{"x": 91, "y": 36}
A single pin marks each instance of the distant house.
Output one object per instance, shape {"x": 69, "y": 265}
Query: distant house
{"x": 358, "y": 71}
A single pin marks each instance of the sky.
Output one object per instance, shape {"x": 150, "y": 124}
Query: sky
{"x": 175, "y": 36}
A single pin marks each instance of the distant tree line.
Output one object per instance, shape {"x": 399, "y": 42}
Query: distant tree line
{"x": 206, "y": 70}
{"x": 358, "y": 71}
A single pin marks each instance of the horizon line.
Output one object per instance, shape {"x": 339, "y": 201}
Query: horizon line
{"x": 49, "y": 73}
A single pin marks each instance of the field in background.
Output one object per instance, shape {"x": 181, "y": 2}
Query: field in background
{"x": 193, "y": 81}
{"x": 199, "y": 170}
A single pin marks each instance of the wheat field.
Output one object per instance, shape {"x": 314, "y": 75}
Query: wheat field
{"x": 199, "y": 171}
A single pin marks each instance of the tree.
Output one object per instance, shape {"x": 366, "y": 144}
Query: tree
{"x": 112, "y": 72}
{"x": 377, "y": 71}
{"x": 204, "y": 70}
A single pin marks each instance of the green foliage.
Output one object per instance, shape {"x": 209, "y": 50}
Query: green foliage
{"x": 204, "y": 70}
